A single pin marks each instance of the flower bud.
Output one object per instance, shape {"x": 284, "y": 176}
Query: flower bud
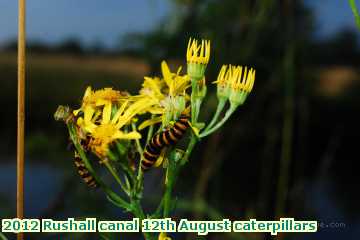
{"x": 197, "y": 57}
{"x": 242, "y": 84}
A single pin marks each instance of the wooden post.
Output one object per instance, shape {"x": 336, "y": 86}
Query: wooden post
{"x": 21, "y": 113}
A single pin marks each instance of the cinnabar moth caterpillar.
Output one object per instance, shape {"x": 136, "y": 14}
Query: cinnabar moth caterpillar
{"x": 162, "y": 139}
{"x": 84, "y": 172}
{"x": 80, "y": 165}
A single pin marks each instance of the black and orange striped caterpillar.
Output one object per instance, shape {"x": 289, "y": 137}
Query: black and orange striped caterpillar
{"x": 80, "y": 165}
{"x": 168, "y": 137}
{"x": 83, "y": 172}
{"x": 64, "y": 113}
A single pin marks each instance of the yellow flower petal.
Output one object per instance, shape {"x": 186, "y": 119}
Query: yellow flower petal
{"x": 76, "y": 112}
{"x": 88, "y": 114}
{"x": 88, "y": 92}
{"x": 106, "y": 113}
{"x": 119, "y": 112}
{"x": 166, "y": 73}
{"x": 160, "y": 159}
{"x": 137, "y": 107}
{"x": 130, "y": 135}
{"x": 100, "y": 102}
{"x": 150, "y": 122}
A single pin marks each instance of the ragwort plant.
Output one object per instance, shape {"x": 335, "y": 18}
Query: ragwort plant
{"x": 131, "y": 134}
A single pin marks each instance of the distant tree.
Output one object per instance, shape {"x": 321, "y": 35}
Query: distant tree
{"x": 70, "y": 45}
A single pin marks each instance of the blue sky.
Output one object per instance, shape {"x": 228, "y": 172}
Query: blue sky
{"x": 332, "y": 15}
{"x": 54, "y": 20}
{"x": 88, "y": 20}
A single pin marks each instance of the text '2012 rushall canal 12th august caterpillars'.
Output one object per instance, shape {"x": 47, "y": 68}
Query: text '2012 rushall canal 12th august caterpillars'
{"x": 157, "y": 225}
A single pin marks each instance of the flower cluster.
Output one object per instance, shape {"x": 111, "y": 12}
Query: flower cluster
{"x": 112, "y": 125}
{"x": 235, "y": 83}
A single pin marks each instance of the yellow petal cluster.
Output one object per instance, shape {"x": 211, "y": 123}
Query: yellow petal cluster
{"x": 198, "y": 53}
{"x": 243, "y": 79}
{"x": 165, "y": 91}
{"x": 163, "y": 236}
{"x": 105, "y": 113}
{"x": 224, "y": 76}
{"x": 103, "y": 96}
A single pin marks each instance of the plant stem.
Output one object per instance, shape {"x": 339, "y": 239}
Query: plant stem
{"x": 139, "y": 213}
{"x": 150, "y": 130}
{"x": 123, "y": 163}
{"x": 138, "y": 145}
{"x": 111, "y": 194}
{"x": 173, "y": 169}
{"x": 3, "y": 237}
{"x": 189, "y": 149}
{"x": 219, "y": 124}
{"x": 157, "y": 213}
{"x": 116, "y": 176}
{"x": 355, "y": 12}
{"x": 219, "y": 108}
{"x": 196, "y": 101}
{"x": 171, "y": 176}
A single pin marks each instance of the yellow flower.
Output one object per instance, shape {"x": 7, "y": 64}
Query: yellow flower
{"x": 224, "y": 81}
{"x": 152, "y": 87}
{"x": 163, "y": 236}
{"x": 107, "y": 127}
{"x": 176, "y": 84}
{"x": 244, "y": 79}
{"x": 105, "y": 134}
{"x": 172, "y": 84}
{"x": 198, "y": 53}
{"x": 169, "y": 93}
{"x": 197, "y": 56}
{"x": 242, "y": 84}
{"x": 101, "y": 97}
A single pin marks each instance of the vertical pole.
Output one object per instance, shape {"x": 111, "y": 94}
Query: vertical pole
{"x": 21, "y": 113}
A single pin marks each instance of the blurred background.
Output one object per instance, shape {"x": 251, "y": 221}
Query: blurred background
{"x": 290, "y": 151}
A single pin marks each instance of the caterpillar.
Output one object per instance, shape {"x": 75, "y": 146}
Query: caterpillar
{"x": 162, "y": 139}
{"x": 84, "y": 172}
{"x": 80, "y": 165}
{"x": 64, "y": 113}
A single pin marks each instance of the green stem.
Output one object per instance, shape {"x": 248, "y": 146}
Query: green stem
{"x": 196, "y": 101}
{"x": 172, "y": 171}
{"x": 111, "y": 194}
{"x": 174, "y": 166}
{"x": 150, "y": 131}
{"x": 189, "y": 149}
{"x": 141, "y": 151}
{"x": 123, "y": 162}
{"x": 3, "y": 237}
{"x": 138, "y": 145}
{"x": 219, "y": 108}
{"x": 193, "y": 106}
{"x": 355, "y": 12}
{"x": 116, "y": 176}
{"x": 219, "y": 124}
{"x": 157, "y": 213}
{"x": 139, "y": 213}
